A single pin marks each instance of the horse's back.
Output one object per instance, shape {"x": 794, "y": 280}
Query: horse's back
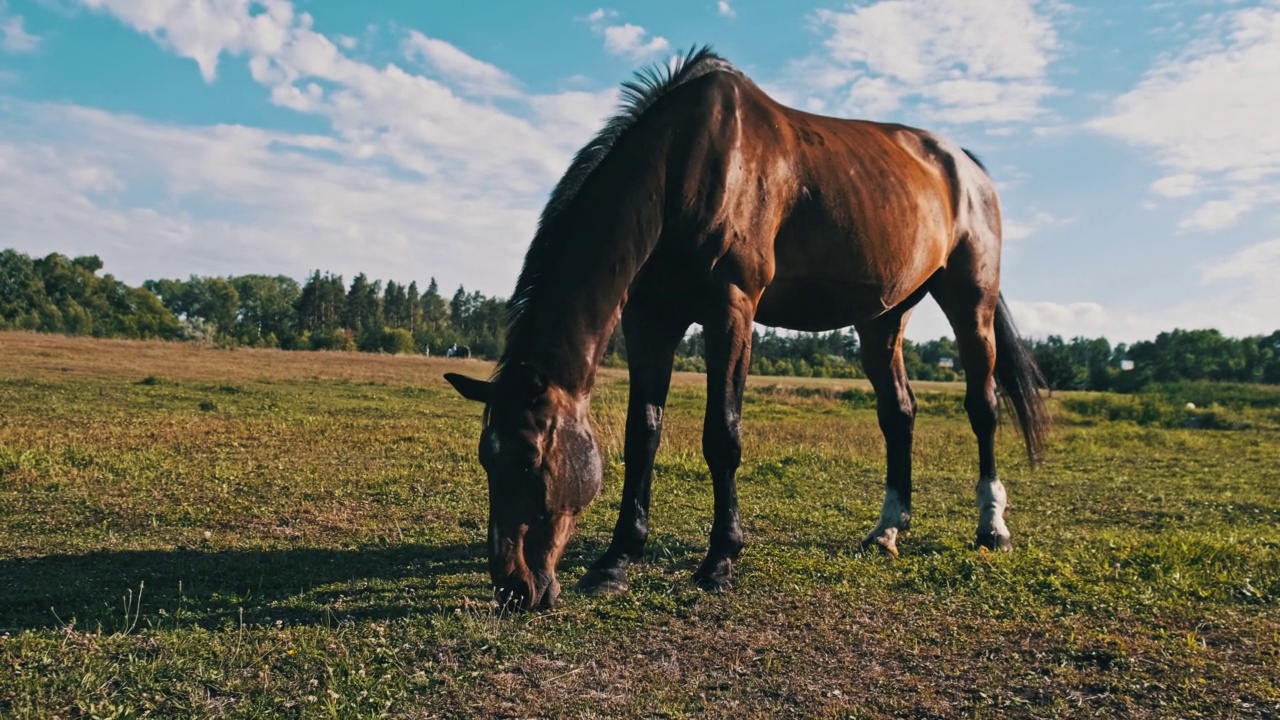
{"x": 851, "y": 216}
{"x": 878, "y": 209}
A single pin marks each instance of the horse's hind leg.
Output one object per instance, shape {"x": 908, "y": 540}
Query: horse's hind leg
{"x": 896, "y": 408}
{"x": 970, "y": 307}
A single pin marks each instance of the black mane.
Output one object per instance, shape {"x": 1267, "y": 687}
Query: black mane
{"x": 976, "y": 161}
{"x": 638, "y": 94}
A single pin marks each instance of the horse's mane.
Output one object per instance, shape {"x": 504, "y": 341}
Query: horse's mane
{"x": 638, "y": 95}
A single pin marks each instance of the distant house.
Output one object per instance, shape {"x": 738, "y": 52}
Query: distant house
{"x": 1126, "y": 364}
{"x": 946, "y": 362}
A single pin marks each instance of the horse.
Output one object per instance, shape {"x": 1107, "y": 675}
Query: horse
{"x": 705, "y": 201}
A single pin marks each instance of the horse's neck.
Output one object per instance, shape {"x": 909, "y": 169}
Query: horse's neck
{"x": 582, "y": 294}
{"x": 598, "y": 242}
{"x": 577, "y": 318}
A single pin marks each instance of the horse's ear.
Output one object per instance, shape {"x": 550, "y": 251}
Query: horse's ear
{"x": 470, "y": 388}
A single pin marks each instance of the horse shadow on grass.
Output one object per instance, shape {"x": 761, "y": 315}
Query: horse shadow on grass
{"x": 121, "y": 591}
{"x": 127, "y": 590}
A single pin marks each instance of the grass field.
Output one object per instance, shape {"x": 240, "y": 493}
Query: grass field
{"x": 188, "y": 532}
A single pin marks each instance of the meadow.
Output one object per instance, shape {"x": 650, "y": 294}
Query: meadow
{"x": 191, "y": 532}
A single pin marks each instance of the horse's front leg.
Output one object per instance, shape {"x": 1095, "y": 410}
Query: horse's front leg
{"x": 652, "y": 338}
{"x": 728, "y": 338}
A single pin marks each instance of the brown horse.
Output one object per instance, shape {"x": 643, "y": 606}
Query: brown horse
{"x": 705, "y": 201}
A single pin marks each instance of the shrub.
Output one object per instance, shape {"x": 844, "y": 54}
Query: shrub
{"x": 340, "y": 339}
{"x": 398, "y": 341}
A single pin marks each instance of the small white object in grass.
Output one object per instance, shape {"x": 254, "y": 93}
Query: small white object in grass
{"x": 207, "y": 534}
{"x": 1191, "y": 406}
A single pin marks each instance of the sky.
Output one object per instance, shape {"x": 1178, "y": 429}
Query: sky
{"x": 1135, "y": 143}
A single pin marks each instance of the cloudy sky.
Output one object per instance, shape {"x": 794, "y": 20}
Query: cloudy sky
{"x": 1136, "y": 144}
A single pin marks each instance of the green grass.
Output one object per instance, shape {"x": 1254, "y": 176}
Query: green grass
{"x": 246, "y": 534}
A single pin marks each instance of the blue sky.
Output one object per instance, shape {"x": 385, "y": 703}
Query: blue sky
{"x": 1136, "y": 144}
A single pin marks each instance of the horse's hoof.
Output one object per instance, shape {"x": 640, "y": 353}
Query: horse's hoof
{"x": 715, "y": 576}
{"x": 603, "y": 581}
{"x": 885, "y": 546}
{"x": 993, "y": 541}
{"x": 884, "y": 540}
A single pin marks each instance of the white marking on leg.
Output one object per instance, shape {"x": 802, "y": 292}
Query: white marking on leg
{"x": 992, "y": 502}
{"x": 894, "y": 518}
{"x": 893, "y": 514}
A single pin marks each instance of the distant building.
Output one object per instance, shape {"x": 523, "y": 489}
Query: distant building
{"x": 946, "y": 362}
{"x": 1126, "y": 364}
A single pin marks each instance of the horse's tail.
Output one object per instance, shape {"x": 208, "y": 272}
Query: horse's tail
{"x": 1019, "y": 380}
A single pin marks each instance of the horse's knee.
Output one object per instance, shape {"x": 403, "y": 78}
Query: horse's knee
{"x": 722, "y": 447}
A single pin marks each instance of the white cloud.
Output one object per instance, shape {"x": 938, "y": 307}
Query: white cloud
{"x": 1236, "y": 310}
{"x": 416, "y": 176}
{"x": 1216, "y": 214}
{"x": 1210, "y": 113}
{"x": 427, "y": 126}
{"x": 633, "y": 41}
{"x": 14, "y": 37}
{"x": 289, "y": 202}
{"x": 1257, "y": 263}
{"x": 625, "y": 40}
{"x": 1021, "y": 230}
{"x": 1040, "y": 319}
{"x": 475, "y": 76}
{"x": 1176, "y": 186}
{"x": 1240, "y": 297}
{"x": 203, "y": 30}
{"x": 725, "y": 9}
{"x": 953, "y": 60}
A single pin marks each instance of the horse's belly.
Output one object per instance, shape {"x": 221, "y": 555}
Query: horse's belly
{"x": 844, "y": 254}
{"x": 825, "y": 285}
{"x": 813, "y": 304}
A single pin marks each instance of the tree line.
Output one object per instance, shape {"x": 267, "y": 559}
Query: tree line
{"x": 58, "y": 294}
{"x": 68, "y": 295}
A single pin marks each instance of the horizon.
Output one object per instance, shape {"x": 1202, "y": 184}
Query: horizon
{"x": 443, "y": 291}
{"x": 1133, "y": 146}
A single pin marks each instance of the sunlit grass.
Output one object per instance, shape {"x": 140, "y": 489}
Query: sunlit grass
{"x": 199, "y": 533}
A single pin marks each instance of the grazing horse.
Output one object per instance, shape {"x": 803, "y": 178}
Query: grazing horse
{"x": 705, "y": 201}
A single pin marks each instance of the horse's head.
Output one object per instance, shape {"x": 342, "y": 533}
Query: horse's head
{"x": 544, "y": 468}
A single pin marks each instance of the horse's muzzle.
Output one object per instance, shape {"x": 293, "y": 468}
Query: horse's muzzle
{"x": 518, "y": 593}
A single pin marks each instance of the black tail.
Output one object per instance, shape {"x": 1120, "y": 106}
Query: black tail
{"x": 1020, "y": 380}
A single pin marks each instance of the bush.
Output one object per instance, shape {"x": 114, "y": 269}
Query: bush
{"x": 690, "y": 364}
{"x": 398, "y": 341}
{"x": 340, "y": 339}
